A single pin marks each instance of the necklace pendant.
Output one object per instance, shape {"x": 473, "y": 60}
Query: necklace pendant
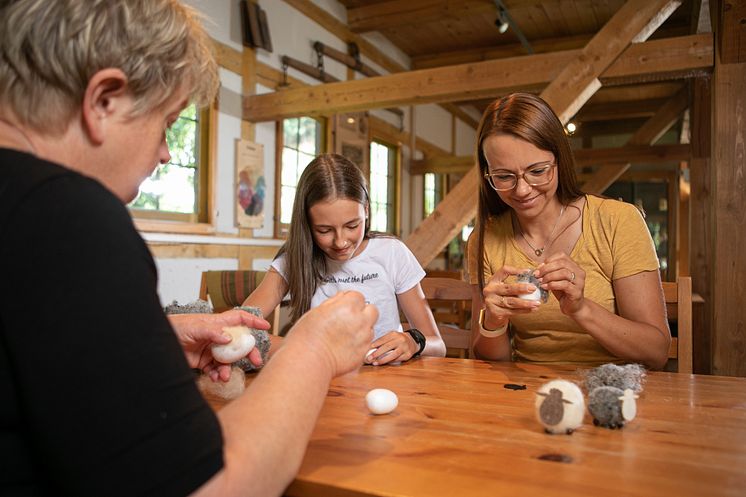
{"x": 538, "y": 252}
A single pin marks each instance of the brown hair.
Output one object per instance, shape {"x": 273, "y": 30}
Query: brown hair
{"x": 529, "y": 118}
{"x": 327, "y": 177}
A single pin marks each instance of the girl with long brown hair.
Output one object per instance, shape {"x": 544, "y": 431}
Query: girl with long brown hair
{"x": 330, "y": 249}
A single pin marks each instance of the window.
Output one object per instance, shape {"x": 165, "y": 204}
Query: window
{"x": 651, "y": 197}
{"x": 301, "y": 142}
{"x": 383, "y": 175}
{"x": 178, "y": 191}
{"x": 433, "y": 192}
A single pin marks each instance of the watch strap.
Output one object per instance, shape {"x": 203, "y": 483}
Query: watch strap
{"x": 418, "y": 338}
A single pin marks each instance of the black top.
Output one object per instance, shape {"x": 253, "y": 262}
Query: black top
{"x": 96, "y": 397}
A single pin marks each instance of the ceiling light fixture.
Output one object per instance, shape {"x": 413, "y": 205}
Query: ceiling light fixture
{"x": 501, "y": 22}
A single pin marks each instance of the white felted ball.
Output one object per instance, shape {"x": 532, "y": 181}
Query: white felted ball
{"x": 242, "y": 341}
{"x": 560, "y": 406}
{"x": 535, "y": 295}
{"x": 381, "y": 401}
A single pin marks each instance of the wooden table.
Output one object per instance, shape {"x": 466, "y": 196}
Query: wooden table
{"x": 459, "y": 432}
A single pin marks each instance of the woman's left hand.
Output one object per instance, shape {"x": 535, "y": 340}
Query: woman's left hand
{"x": 197, "y": 332}
{"x": 565, "y": 279}
{"x": 392, "y": 347}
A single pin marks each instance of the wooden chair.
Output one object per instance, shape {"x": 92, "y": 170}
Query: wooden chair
{"x": 229, "y": 288}
{"x": 453, "y": 327}
{"x": 678, "y": 297}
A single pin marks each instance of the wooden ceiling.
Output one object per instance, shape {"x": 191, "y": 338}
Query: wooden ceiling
{"x": 436, "y": 33}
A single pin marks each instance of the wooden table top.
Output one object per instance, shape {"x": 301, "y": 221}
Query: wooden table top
{"x": 458, "y": 432}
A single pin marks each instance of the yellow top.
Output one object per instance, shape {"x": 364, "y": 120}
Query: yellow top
{"x": 614, "y": 243}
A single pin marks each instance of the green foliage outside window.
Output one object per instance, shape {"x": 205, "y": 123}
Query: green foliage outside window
{"x": 173, "y": 186}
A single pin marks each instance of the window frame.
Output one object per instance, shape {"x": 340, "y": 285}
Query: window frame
{"x": 439, "y": 190}
{"x": 280, "y": 229}
{"x": 395, "y": 177}
{"x": 202, "y": 221}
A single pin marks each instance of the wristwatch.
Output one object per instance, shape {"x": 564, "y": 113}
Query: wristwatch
{"x": 418, "y": 338}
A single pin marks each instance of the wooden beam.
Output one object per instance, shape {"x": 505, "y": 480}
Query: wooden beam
{"x": 647, "y": 134}
{"x": 614, "y": 111}
{"x": 341, "y": 31}
{"x": 443, "y": 165}
{"x": 394, "y": 13}
{"x": 499, "y": 52}
{"x": 731, "y": 32}
{"x": 385, "y": 131}
{"x": 634, "y": 154}
{"x": 728, "y": 204}
{"x": 652, "y": 59}
{"x": 459, "y": 206}
{"x": 635, "y": 21}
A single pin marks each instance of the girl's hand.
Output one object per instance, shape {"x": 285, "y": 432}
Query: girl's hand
{"x": 392, "y": 347}
{"x": 501, "y": 300}
{"x": 565, "y": 279}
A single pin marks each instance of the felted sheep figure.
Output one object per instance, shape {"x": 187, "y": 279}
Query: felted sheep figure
{"x": 559, "y": 406}
{"x": 612, "y": 407}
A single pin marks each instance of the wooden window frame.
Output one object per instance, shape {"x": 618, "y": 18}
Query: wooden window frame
{"x": 395, "y": 177}
{"x": 280, "y": 229}
{"x": 203, "y": 221}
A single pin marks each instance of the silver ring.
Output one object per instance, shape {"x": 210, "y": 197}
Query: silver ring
{"x": 502, "y": 302}
{"x": 572, "y": 276}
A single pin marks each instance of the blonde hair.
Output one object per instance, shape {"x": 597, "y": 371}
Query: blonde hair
{"x": 49, "y": 50}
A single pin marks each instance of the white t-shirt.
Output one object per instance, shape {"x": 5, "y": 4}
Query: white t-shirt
{"x": 384, "y": 269}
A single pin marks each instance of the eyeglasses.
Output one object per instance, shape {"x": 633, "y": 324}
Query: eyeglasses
{"x": 536, "y": 175}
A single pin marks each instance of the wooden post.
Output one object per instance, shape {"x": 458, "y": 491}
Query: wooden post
{"x": 728, "y": 284}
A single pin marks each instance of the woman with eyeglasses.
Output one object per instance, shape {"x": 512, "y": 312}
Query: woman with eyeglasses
{"x": 593, "y": 256}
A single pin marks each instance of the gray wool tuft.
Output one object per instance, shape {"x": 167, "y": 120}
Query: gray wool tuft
{"x": 630, "y": 376}
{"x": 196, "y": 307}
{"x": 606, "y": 407}
{"x": 262, "y": 341}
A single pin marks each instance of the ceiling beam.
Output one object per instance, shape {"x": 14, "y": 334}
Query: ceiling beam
{"x": 634, "y": 154}
{"x": 395, "y": 13}
{"x": 649, "y": 133}
{"x": 613, "y": 111}
{"x": 565, "y": 94}
{"x": 498, "y": 52}
{"x": 671, "y": 57}
{"x": 343, "y": 32}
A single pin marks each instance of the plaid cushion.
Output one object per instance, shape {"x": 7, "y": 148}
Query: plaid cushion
{"x": 228, "y": 289}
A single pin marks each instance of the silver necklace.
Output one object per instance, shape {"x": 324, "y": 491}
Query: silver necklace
{"x": 540, "y": 251}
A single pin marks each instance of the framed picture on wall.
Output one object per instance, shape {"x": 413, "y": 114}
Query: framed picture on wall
{"x": 251, "y": 186}
{"x": 254, "y": 27}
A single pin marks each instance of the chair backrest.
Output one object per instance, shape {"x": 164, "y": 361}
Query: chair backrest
{"x": 678, "y": 297}
{"x": 229, "y": 288}
{"x": 453, "y": 327}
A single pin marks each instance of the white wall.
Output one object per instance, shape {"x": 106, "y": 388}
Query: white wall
{"x": 292, "y": 34}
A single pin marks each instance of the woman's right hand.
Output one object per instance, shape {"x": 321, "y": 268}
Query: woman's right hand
{"x": 502, "y": 300}
{"x": 340, "y": 330}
